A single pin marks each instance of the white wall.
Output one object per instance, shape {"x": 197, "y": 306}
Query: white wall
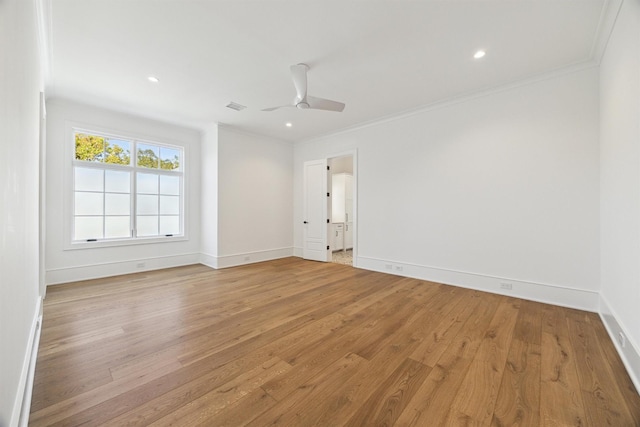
{"x": 620, "y": 183}
{"x": 342, "y": 164}
{"x": 64, "y": 265}
{"x": 492, "y": 189}
{"x": 255, "y": 198}
{"x": 20, "y": 86}
{"x": 209, "y": 196}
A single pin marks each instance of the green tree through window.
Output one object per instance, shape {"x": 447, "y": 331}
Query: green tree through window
{"x": 154, "y": 157}
{"x": 93, "y": 148}
{"x": 170, "y": 164}
{"x": 147, "y": 158}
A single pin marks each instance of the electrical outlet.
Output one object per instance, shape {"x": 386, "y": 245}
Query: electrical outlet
{"x": 506, "y": 286}
{"x": 398, "y": 268}
{"x": 140, "y": 265}
{"x": 622, "y": 339}
{"x": 388, "y": 266}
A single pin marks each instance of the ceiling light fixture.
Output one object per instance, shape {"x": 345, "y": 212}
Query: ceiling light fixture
{"x": 153, "y": 79}
{"x": 479, "y": 54}
{"x": 288, "y": 124}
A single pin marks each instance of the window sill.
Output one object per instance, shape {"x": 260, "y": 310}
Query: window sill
{"x": 124, "y": 242}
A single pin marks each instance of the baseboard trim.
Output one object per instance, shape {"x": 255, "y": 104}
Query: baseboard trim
{"x": 209, "y": 260}
{"x": 630, "y": 354}
{"x": 549, "y": 294}
{"x": 234, "y": 260}
{"x": 95, "y": 271}
{"x": 297, "y": 251}
{"x": 22, "y": 404}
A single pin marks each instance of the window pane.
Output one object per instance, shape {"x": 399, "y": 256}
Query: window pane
{"x": 169, "y": 185}
{"x": 169, "y": 158}
{"x": 117, "y": 227}
{"x": 89, "y": 179}
{"x": 88, "y": 227}
{"x": 117, "y": 181}
{"x": 169, "y": 224}
{"x": 147, "y": 205}
{"x": 117, "y": 204}
{"x": 88, "y": 203}
{"x": 147, "y": 226}
{"x": 147, "y": 183}
{"x": 117, "y": 152}
{"x": 89, "y": 148}
{"x": 119, "y": 169}
{"x": 148, "y": 156}
{"x": 169, "y": 205}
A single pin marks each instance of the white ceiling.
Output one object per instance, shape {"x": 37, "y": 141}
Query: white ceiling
{"x": 379, "y": 57}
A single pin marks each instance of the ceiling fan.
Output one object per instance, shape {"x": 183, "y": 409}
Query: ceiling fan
{"x": 304, "y": 101}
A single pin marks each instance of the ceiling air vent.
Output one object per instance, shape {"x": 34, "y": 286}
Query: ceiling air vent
{"x": 235, "y": 106}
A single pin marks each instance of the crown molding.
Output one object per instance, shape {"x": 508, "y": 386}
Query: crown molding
{"x": 608, "y": 17}
{"x": 462, "y": 98}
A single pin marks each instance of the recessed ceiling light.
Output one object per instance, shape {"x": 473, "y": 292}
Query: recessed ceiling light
{"x": 479, "y": 54}
{"x": 288, "y": 124}
{"x": 153, "y": 79}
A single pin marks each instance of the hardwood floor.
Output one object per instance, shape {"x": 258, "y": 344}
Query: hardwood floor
{"x": 299, "y": 343}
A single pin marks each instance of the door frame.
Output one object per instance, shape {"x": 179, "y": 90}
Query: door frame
{"x": 354, "y": 156}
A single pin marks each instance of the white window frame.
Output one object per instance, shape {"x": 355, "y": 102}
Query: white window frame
{"x": 69, "y": 185}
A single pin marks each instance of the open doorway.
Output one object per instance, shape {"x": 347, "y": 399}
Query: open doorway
{"x": 341, "y": 234}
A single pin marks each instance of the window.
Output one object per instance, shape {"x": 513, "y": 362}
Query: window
{"x": 125, "y": 189}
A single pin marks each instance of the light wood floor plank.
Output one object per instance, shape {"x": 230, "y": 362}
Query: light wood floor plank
{"x": 299, "y": 343}
{"x": 205, "y": 408}
{"x": 393, "y": 351}
{"x": 603, "y": 400}
{"x": 561, "y": 399}
{"x": 243, "y": 411}
{"x": 304, "y": 406}
{"x": 391, "y": 397}
{"x": 475, "y": 401}
{"x": 622, "y": 379}
{"x": 310, "y": 361}
{"x": 519, "y": 395}
{"x": 434, "y": 344}
{"x": 432, "y": 402}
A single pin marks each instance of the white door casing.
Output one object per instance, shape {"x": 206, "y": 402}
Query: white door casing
{"x": 315, "y": 211}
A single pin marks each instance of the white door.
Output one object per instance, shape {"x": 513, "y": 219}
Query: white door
{"x": 315, "y": 212}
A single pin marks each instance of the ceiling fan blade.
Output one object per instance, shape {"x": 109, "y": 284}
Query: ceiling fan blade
{"x": 299, "y": 75}
{"x": 324, "y": 104}
{"x": 275, "y": 108}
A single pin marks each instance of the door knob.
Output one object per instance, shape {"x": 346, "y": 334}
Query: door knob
{"x": 305, "y": 222}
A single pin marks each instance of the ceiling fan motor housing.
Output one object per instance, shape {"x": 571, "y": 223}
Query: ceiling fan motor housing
{"x": 302, "y": 101}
